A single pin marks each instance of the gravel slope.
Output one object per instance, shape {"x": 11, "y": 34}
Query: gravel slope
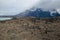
{"x": 27, "y": 29}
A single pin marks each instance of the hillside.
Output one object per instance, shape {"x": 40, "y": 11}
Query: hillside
{"x": 39, "y": 13}
{"x": 30, "y": 29}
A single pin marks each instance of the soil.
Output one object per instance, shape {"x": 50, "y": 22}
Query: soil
{"x": 28, "y": 29}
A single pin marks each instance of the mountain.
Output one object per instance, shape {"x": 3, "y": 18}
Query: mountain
{"x": 39, "y": 13}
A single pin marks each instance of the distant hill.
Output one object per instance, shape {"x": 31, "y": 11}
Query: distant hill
{"x": 39, "y": 13}
{"x": 36, "y": 12}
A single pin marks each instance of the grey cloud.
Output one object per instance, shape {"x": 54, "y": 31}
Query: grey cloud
{"x": 49, "y": 4}
{"x": 16, "y": 6}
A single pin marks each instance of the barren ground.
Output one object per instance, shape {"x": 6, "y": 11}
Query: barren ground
{"x": 27, "y": 29}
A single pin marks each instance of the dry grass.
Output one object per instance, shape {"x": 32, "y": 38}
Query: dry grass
{"x": 27, "y": 29}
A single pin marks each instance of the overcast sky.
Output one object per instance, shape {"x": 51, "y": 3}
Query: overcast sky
{"x": 13, "y": 7}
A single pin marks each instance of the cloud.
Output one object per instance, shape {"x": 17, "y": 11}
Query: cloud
{"x": 15, "y": 6}
{"x": 49, "y": 4}
{"x": 12, "y": 7}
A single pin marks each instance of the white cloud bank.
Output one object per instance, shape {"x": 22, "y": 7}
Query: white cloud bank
{"x": 49, "y": 4}
{"x": 12, "y": 7}
{"x": 15, "y": 6}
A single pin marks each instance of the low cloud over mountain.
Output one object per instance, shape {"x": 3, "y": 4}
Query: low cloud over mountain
{"x": 16, "y": 6}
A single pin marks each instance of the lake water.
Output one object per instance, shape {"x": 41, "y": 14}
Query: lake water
{"x": 4, "y": 18}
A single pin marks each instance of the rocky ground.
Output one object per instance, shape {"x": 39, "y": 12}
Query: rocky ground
{"x": 29, "y": 29}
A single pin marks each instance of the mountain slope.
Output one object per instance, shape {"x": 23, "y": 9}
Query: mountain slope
{"x": 39, "y": 13}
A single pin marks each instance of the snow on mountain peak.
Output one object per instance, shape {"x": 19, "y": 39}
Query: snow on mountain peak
{"x": 53, "y": 11}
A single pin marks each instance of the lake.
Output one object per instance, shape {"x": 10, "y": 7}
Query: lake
{"x": 5, "y": 18}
